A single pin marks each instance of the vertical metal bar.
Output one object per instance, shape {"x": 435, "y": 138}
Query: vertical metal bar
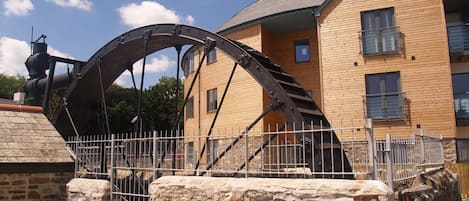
{"x": 303, "y": 146}
{"x": 442, "y": 146}
{"x": 112, "y": 166}
{"x": 422, "y": 147}
{"x": 322, "y": 148}
{"x": 246, "y": 152}
{"x": 45, "y": 102}
{"x": 388, "y": 152}
{"x": 371, "y": 150}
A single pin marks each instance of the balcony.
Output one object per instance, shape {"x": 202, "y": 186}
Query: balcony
{"x": 461, "y": 108}
{"x": 386, "y": 106}
{"x": 458, "y": 39}
{"x": 380, "y": 41}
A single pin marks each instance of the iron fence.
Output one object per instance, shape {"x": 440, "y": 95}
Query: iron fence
{"x": 132, "y": 161}
{"x": 400, "y": 158}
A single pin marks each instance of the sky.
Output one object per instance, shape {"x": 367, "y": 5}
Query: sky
{"x": 76, "y": 29}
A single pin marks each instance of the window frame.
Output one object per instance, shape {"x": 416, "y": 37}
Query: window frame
{"x": 189, "y": 63}
{"x": 190, "y": 155}
{"x": 378, "y": 29}
{"x": 212, "y": 58}
{"x": 298, "y": 43}
{"x": 458, "y": 96}
{"x": 209, "y": 100}
{"x": 386, "y": 96}
{"x": 190, "y": 108}
{"x": 212, "y": 149}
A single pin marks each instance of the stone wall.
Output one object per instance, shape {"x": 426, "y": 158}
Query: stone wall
{"x": 260, "y": 189}
{"x": 437, "y": 184}
{"x": 34, "y": 186}
{"x": 450, "y": 150}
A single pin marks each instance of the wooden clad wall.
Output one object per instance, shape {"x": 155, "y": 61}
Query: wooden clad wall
{"x": 280, "y": 48}
{"x": 426, "y": 80}
{"x": 243, "y": 102}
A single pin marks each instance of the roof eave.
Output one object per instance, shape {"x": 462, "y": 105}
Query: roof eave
{"x": 262, "y": 19}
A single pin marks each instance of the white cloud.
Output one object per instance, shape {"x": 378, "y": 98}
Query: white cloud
{"x": 156, "y": 65}
{"x": 150, "y": 12}
{"x": 13, "y": 54}
{"x": 79, "y": 4}
{"x": 190, "y": 19}
{"x": 17, "y": 7}
{"x": 159, "y": 64}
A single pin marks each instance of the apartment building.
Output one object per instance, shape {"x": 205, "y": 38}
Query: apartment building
{"x": 402, "y": 63}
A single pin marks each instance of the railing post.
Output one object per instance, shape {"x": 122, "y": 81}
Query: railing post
{"x": 371, "y": 150}
{"x": 442, "y": 144}
{"x": 422, "y": 146}
{"x": 246, "y": 152}
{"x": 388, "y": 151}
{"x": 77, "y": 160}
{"x": 155, "y": 158}
{"x": 113, "y": 165}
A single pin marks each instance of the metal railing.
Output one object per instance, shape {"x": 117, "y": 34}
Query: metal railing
{"x": 458, "y": 39}
{"x": 380, "y": 41}
{"x": 401, "y": 158}
{"x": 132, "y": 161}
{"x": 386, "y": 106}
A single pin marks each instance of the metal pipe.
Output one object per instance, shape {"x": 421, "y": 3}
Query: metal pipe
{"x": 50, "y": 78}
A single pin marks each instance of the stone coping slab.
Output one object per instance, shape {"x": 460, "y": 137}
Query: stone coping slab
{"x": 263, "y": 189}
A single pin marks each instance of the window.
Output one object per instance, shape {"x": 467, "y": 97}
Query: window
{"x": 188, "y": 63}
{"x": 462, "y": 147}
{"x": 379, "y": 34}
{"x": 190, "y": 152}
{"x": 384, "y": 99}
{"x": 212, "y": 56}
{"x": 302, "y": 51}
{"x": 190, "y": 108}
{"x": 461, "y": 98}
{"x": 212, "y": 100}
{"x": 212, "y": 150}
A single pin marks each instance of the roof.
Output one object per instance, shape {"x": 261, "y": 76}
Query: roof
{"x": 266, "y": 8}
{"x": 30, "y": 138}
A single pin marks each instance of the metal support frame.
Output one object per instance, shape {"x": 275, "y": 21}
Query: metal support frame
{"x": 240, "y": 136}
{"x": 260, "y": 67}
{"x": 186, "y": 99}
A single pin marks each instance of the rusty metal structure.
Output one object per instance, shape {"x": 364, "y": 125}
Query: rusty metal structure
{"x": 86, "y": 84}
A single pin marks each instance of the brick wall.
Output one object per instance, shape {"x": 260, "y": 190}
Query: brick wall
{"x": 34, "y": 186}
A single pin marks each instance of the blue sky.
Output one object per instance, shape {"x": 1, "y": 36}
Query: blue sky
{"x": 78, "y": 28}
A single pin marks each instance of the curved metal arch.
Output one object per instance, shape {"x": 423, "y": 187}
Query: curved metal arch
{"x": 127, "y": 48}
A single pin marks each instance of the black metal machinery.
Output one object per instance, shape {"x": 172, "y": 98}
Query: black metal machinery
{"x": 88, "y": 79}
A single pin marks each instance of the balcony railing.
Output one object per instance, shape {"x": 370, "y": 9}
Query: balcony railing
{"x": 380, "y": 41}
{"x": 458, "y": 39}
{"x": 386, "y": 106}
{"x": 461, "y": 108}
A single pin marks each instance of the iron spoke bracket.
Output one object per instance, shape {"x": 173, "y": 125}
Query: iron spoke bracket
{"x": 210, "y": 43}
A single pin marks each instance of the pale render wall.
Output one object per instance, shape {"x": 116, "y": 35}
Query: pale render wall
{"x": 426, "y": 80}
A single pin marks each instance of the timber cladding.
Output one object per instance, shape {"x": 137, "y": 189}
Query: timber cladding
{"x": 425, "y": 79}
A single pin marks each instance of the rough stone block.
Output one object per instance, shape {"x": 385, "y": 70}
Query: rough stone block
{"x": 261, "y": 189}
{"x": 88, "y": 189}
